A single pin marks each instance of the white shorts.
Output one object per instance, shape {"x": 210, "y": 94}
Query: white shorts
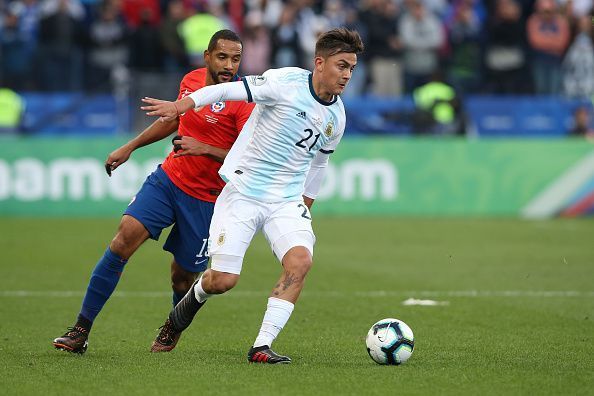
{"x": 237, "y": 218}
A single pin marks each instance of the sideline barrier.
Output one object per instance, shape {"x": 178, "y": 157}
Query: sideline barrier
{"x": 381, "y": 176}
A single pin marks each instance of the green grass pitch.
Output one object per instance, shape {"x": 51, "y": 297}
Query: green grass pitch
{"x": 519, "y": 317}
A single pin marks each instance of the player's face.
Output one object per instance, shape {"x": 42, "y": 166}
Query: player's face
{"x": 336, "y": 71}
{"x": 223, "y": 61}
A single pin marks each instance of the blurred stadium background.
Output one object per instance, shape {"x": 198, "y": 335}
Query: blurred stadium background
{"x": 467, "y": 121}
{"x": 499, "y": 90}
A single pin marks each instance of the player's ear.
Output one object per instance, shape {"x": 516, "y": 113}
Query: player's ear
{"x": 206, "y": 56}
{"x": 319, "y": 63}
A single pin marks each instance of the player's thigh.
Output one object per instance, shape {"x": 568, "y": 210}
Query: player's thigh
{"x": 235, "y": 221}
{"x": 287, "y": 227}
{"x": 153, "y": 205}
{"x": 188, "y": 239}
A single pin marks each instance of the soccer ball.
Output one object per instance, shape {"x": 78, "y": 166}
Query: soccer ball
{"x": 390, "y": 341}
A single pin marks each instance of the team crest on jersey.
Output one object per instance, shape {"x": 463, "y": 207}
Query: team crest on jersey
{"x": 257, "y": 80}
{"x": 216, "y": 107}
{"x": 221, "y": 238}
{"x": 329, "y": 129}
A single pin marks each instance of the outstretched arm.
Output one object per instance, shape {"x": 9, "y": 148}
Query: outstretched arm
{"x": 168, "y": 111}
{"x": 155, "y": 132}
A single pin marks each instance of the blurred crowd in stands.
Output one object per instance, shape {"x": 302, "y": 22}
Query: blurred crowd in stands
{"x": 481, "y": 46}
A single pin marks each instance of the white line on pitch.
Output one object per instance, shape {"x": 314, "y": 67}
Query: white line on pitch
{"x": 369, "y": 293}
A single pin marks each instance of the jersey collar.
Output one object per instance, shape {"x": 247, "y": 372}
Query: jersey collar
{"x": 316, "y": 97}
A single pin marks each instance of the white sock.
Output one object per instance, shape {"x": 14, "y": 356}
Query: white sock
{"x": 277, "y": 314}
{"x": 199, "y": 292}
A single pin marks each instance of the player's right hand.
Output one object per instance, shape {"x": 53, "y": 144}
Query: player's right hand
{"x": 187, "y": 145}
{"x": 117, "y": 158}
{"x": 165, "y": 110}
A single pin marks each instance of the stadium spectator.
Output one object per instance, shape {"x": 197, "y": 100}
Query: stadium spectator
{"x": 505, "y": 54}
{"x": 422, "y": 36}
{"x": 256, "y": 44}
{"x": 548, "y": 36}
{"x": 146, "y": 52}
{"x": 335, "y": 13}
{"x": 464, "y": 26}
{"x": 181, "y": 192}
{"x": 60, "y": 43}
{"x": 435, "y": 7}
{"x": 28, "y": 12}
{"x": 22, "y": 38}
{"x": 196, "y": 32}
{"x": 359, "y": 81}
{"x": 286, "y": 47}
{"x": 271, "y": 190}
{"x": 175, "y": 58}
{"x": 310, "y": 25}
{"x": 438, "y": 109}
{"x": 141, "y": 12}
{"x": 577, "y": 8}
{"x": 108, "y": 47}
{"x": 12, "y": 109}
{"x": 383, "y": 54}
{"x": 578, "y": 64}
{"x": 15, "y": 60}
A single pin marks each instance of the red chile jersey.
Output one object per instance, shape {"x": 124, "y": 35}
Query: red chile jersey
{"x": 217, "y": 125}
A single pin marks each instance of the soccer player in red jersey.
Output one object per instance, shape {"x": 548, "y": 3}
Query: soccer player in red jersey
{"x": 181, "y": 191}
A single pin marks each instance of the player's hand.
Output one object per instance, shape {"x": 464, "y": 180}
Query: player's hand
{"x": 186, "y": 145}
{"x": 117, "y": 158}
{"x": 165, "y": 110}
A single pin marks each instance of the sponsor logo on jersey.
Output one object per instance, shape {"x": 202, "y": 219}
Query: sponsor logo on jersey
{"x": 257, "y": 80}
{"x": 329, "y": 129}
{"x": 211, "y": 119}
{"x": 301, "y": 114}
{"x": 216, "y": 107}
{"x": 317, "y": 121}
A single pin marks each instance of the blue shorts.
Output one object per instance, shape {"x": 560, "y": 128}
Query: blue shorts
{"x": 159, "y": 204}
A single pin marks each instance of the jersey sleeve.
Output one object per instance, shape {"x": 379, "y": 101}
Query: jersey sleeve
{"x": 184, "y": 88}
{"x": 243, "y": 113}
{"x": 263, "y": 89}
{"x": 332, "y": 143}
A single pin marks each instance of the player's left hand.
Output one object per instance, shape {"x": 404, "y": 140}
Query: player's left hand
{"x": 164, "y": 109}
{"x": 186, "y": 145}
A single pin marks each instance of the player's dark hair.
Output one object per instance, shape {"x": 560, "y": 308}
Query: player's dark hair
{"x": 339, "y": 40}
{"x": 224, "y": 34}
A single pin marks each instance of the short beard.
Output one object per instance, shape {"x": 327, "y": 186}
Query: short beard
{"x": 214, "y": 75}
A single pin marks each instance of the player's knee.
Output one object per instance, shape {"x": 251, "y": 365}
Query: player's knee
{"x": 298, "y": 260}
{"x": 120, "y": 246}
{"x": 220, "y": 282}
{"x": 131, "y": 234}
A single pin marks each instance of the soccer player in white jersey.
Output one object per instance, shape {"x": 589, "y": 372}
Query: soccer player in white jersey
{"x": 273, "y": 174}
